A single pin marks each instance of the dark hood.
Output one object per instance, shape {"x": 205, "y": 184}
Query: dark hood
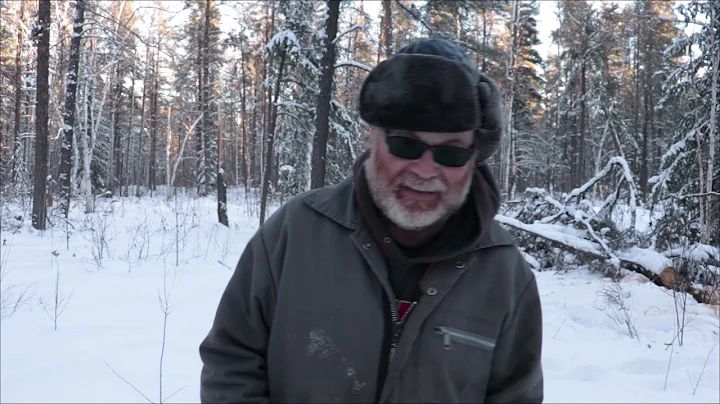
{"x": 463, "y": 232}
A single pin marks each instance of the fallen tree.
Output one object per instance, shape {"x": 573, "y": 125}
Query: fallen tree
{"x": 601, "y": 235}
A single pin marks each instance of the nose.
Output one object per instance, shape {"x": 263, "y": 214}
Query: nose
{"x": 425, "y": 167}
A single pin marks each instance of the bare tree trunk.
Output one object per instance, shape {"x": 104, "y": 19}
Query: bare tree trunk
{"x": 221, "y": 188}
{"x": 322, "y": 114}
{"x": 118, "y": 102}
{"x": 233, "y": 130}
{"x": 124, "y": 179}
{"x": 154, "y": 124}
{"x": 386, "y": 29}
{"x": 41, "y": 116}
{"x": 18, "y": 95}
{"x": 66, "y": 152}
{"x": 86, "y": 181}
{"x": 243, "y": 117}
{"x": 712, "y": 212}
{"x": 266, "y": 97}
{"x": 510, "y": 171}
{"x": 168, "y": 146}
{"x": 271, "y": 141}
{"x": 580, "y": 173}
{"x": 137, "y": 176}
{"x": 207, "y": 167}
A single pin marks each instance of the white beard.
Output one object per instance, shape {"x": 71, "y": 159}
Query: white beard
{"x": 398, "y": 211}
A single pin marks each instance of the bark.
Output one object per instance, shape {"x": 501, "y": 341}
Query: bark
{"x": 712, "y": 210}
{"x": 86, "y": 182}
{"x": 117, "y": 153}
{"x": 266, "y": 96}
{"x": 580, "y": 171}
{"x": 172, "y": 174}
{"x": 509, "y": 173}
{"x": 386, "y": 30}
{"x": 39, "y": 207}
{"x": 322, "y": 114}
{"x": 126, "y": 155}
{"x": 207, "y": 168}
{"x": 67, "y": 145}
{"x": 138, "y": 174}
{"x": 153, "y": 128}
{"x": 271, "y": 141}
{"x": 233, "y": 131}
{"x": 243, "y": 117}
{"x": 18, "y": 95}
{"x": 221, "y": 188}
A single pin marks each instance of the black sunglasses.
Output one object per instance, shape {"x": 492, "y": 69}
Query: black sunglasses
{"x": 412, "y": 149}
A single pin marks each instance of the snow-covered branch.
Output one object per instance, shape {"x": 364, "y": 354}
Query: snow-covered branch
{"x": 347, "y": 31}
{"x": 353, "y": 63}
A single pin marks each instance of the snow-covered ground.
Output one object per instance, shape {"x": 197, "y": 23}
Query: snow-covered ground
{"x": 142, "y": 256}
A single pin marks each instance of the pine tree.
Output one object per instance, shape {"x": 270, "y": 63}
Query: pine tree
{"x": 688, "y": 185}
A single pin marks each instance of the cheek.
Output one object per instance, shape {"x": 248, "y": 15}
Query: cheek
{"x": 457, "y": 177}
{"x": 391, "y": 166}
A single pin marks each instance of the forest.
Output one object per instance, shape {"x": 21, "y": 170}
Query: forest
{"x": 611, "y": 150}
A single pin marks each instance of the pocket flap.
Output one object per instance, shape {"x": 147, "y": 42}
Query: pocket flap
{"x": 451, "y": 335}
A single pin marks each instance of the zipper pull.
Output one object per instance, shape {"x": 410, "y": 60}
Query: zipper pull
{"x": 446, "y": 338}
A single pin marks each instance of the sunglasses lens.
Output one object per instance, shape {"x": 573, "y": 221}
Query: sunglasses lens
{"x": 413, "y": 149}
{"x": 452, "y": 156}
{"x": 405, "y": 147}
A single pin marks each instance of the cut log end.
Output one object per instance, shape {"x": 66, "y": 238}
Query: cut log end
{"x": 669, "y": 277}
{"x": 707, "y": 295}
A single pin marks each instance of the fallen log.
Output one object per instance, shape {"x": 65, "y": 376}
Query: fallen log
{"x": 667, "y": 277}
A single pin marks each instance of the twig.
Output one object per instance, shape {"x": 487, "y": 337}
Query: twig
{"x": 558, "y": 330}
{"x": 702, "y": 372}
{"x": 668, "y": 369}
{"x": 128, "y": 383}
{"x": 177, "y": 391}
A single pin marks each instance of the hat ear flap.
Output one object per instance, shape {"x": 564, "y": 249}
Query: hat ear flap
{"x": 492, "y": 121}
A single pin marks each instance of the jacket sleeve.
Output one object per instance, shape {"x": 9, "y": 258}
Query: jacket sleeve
{"x": 234, "y": 353}
{"x": 516, "y": 375}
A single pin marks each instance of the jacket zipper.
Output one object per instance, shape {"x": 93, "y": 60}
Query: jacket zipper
{"x": 464, "y": 337}
{"x": 397, "y": 329}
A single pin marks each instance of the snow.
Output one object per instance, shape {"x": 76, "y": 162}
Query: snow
{"x": 112, "y": 324}
{"x": 347, "y": 31}
{"x": 651, "y": 260}
{"x": 285, "y": 38}
{"x": 554, "y": 232}
{"x": 354, "y": 64}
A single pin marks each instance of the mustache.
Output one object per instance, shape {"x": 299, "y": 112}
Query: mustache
{"x": 418, "y": 184}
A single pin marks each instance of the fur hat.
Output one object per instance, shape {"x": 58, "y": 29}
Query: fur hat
{"x": 431, "y": 86}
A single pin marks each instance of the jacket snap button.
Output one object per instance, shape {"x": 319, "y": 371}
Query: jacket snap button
{"x": 460, "y": 264}
{"x": 431, "y": 291}
{"x": 366, "y": 246}
{"x": 386, "y": 240}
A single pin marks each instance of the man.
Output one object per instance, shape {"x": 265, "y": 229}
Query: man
{"x": 395, "y": 285}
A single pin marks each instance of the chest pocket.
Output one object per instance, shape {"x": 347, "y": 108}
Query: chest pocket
{"x": 452, "y": 335}
{"x": 455, "y": 359}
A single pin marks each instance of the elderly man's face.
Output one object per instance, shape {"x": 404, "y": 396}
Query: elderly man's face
{"x": 417, "y": 193}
